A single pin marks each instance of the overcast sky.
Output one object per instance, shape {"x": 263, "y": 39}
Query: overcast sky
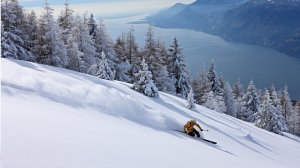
{"x": 105, "y": 7}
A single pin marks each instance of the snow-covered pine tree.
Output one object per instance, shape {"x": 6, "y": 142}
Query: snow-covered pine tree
{"x": 286, "y": 102}
{"x": 31, "y": 31}
{"x": 123, "y": 66}
{"x": 66, "y": 21}
{"x": 287, "y": 108}
{"x": 260, "y": 93}
{"x": 96, "y": 35}
{"x": 122, "y": 70}
{"x": 191, "y": 101}
{"x": 102, "y": 42}
{"x": 92, "y": 25}
{"x": 164, "y": 82}
{"x": 238, "y": 95}
{"x": 178, "y": 70}
{"x": 145, "y": 83}
{"x": 50, "y": 48}
{"x": 150, "y": 49}
{"x": 297, "y": 106}
{"x": 230, "y": 102}
{"x": 73, "y": 54}
{"x": 14, "y": 39}
{"x": 151, "y": 55}
{"x": 201, "y": 87}
{"x": 210, "y": 101}
{"x": 5, "y": 46}
{"x": 85, "y": 45}
{"x": 102, "y": 70}
{"x": 162, "y": 77}
{"x": 162, "y": 51}
{"x": 266, "y": 116}
{"x": 217, "y": 88}
{"x": 296, "y": 121}
{"x": 132, "y": 53}
{"x": 282, "y": 123}
{"x": 214, "y": 79}
{"x": 250, "y": 103}
{"x": 237, "y": 90}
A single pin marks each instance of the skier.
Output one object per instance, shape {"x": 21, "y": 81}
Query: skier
{"x": 190, "y": 130}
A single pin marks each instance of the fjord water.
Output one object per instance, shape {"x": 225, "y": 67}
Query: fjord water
{"x": 233, "y": 60}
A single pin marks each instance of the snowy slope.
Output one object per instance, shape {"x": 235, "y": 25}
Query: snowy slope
{"x": 55, "y": 118}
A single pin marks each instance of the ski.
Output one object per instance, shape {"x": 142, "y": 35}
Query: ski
{"x": 213, "y": 142}
{"x": 206, "y": 140}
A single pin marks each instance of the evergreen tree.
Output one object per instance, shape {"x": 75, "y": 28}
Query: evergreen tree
{"x": 260, "y": 94}
{"x": 50, "y": 49}
{"x": 286, "y": 102}
{"x": 238, "y": 95}
{"x": 31, "y": 31}
{"x": 278, "y": 109}
{"x": 230, "y": 102}
{"x": 151, "y": 54}
{"x": 250, "y": 103}
{"x": 162, "y": 51}
{"x": 178, "y": 70}
{"x": 73, "y": 54}
{"x": 210, "y": 101}
{"x": 85, "y": 45}
{"x": 214, "y": 79}
{"x": 5, "y": 46}
{"x": 217, "y": 88}
{"x": 102, "y": 70}
{"x": 266, "y": 116}
{"x": 145, "y": 83}
{"x": 14, "y": 38}
{"x": 102, "y": 42}
{"x": 296, "y": 122}
{"x": 190, "y": 100}
{"x": 287, "y": 108}
{"x": 201, "y": 87}
{"x": 132, "y": 53}
{"x": 123, "y": 67}
{"x": 122, "y": 70}
{"x": 66, "y": 21}
{"x": 150, "y": 49}
{"x": 164, "y": 82}
{"x": 92, "y": 25}
{"x": 161, "y": 75}
{"x": 237, "y": 90}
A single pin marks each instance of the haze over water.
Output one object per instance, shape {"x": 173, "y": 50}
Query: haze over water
{"x": 233, "y": 60}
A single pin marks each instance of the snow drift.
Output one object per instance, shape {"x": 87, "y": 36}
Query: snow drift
{"x": 56, "y": 118}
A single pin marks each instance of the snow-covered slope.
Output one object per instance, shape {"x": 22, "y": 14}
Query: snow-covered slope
{"x": 55, "y": 118}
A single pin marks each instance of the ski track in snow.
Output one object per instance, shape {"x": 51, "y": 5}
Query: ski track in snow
{"x": 54, "y": 117}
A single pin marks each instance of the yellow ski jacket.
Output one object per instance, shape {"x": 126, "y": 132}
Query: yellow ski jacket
{"x": 189, "y": 126}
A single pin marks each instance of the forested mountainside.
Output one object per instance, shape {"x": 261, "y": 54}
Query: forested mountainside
{"x": 270, "y": 23}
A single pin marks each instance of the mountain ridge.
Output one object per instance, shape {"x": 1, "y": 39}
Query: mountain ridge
{"x": 269, "y": 23}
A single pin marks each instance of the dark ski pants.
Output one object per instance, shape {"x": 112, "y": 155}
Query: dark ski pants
{"x": 193, "y": 133}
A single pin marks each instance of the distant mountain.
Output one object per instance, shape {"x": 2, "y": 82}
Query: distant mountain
{"x": 170, "y": 12}
{"x": 270, "y": 23}
{"x": 215, "y": 2}
{"x": 200, "y": 15}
